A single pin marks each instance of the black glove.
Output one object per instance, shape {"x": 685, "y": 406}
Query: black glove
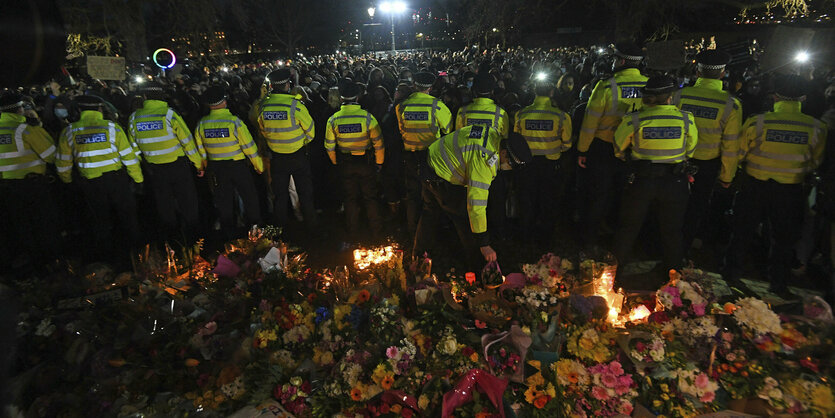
{"x": 378, "y": 168}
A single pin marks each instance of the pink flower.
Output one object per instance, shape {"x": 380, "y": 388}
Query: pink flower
{"x": 599, "y": 393}
{"x": 609, "y": 380}
{"x": 208, "y": 329}
{"x": 626, "y": 408}
{"x": 621, "y": 390}
{"x": 616, "y": 368}
{"x": 699, "y": 309}
{"x": 727, "y": 336}
{"x": 708, "y": 397}
{"x": 392, "y": 351}
{"x": 625, "y": 381}
{"x": 701, "y": 381}
{"x": 640, "y": 346}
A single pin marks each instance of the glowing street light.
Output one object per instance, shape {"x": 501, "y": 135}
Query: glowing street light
{"x": 392, "y": 8}
{"x": 802, "y": 57}
{"x": 371, "y": 11}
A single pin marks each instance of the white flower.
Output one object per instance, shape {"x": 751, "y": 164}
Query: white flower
{"x": 45, "y": 328}
{"x": 448, "y": 345}
{"x": 756, "y": 316}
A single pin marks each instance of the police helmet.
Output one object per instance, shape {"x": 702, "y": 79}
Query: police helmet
{"x": 659, "y": 84}
{"x": 518, "y": 151}
{"x": 349, "y": 90}
{"x": 713, "y": 59}
{"x": 89, "y": 102}
{"x": 483, "y": 84}
{"x": 629, "y": 51}
{"x": 214, "y": 96}
{"x": 10, "y": 102}
{"x": 424, "y": 80}
{"x": 278, "y": 78}
{"x": 789, "y": 87}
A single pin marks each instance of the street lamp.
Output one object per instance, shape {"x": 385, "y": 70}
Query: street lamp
{"x": 392, "y": 8}
{"x": 371, "y": 12}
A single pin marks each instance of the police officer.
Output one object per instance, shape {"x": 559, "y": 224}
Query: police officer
{"x": 463, "y": 164}
{"x": 99, "y": 150}
{"x": 547, "y": 130}
{"x": 483, "y": 110}
{"x": 610, "y": 100}
{"x": 719, "y": 119}
{"x": 422, "y": 120}
{"x": 285, "y": 123}
{"x": 27, "y": 205}
{"x": 778, "y": 149}
{"x": 660, "y": 138}
{"x": 225, "y": 143}
{"x": 350, "y": 134}
{"x": 166, "y": 145}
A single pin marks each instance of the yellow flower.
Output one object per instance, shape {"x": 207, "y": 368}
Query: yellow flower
{"x": 656, "y": 403}
{"x": 423, "y": 402}
{"x": 551, "y": 390}
{"x": 536, "y": 380}
{"x": 664, "y": 387}
{"x": 379, "y": 373}
{"x": 531, "y": 394}
{"x": 665, "y": 397}
{"x": 823, "y": 400}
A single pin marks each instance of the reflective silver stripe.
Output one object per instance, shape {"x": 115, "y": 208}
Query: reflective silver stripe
{"x": 776, "y": 169}
{"x": 220, "y": 144}
{"x": 360, "y": 139}
{"x": 478, "y": 185}
{"x": 448, "y": 162}
{"x": 63, "y": 157}
{"x": 432, "y": 124}
{"x": 729, "y": 106}
{"x": 482, "y": 112}
{"x": 658, "y": 117}
{"x": 588, "y": 130}
{"x": 710, "y": 131}
{"x": 459, "y": 154}
{"x": 224, "y": 155}
{"x": 217, "y": 121}
{"x": 191, "y": 152}
{"x": 281, "y": 130}
{"x": 659, "y": 152}
{"x": 545, "y": 139}
{"x": 149, "y": 116}
{"x": 790, "y": 122}
{"x": 145, "y": 141}
{"x": 249, "y": 145}
{"x": 677, "y": 98}
{"x": 477, "y": 202}
{"x": 88, "y": 128}
{"x": 96, "y": 164}
{"x": 163, "y": 152}
{"x": 613, "y": 85}
{"x": 703, "y": 99}
{"x": 701, "y": 145}
{"x": 781, "y": 157}
{"x": 731, "y": 137}
{"x": 669, "y": 160}
{"x": 475, "y": 147}
{"x": 286, "y": 141}
{"x": 47, "y": 152}
{"x": 64, "y": 169}
{"x": 95, "y": 153}
{"x": 496, "y": 118}
{"x": 276, "y": 105}
{"x": 16, "y": 154}
{"x": 549, "y": 151}
{"x": 125, "y": 152}
{"x": 549, "y": 112}
{"x": 21, "y": 166}
{"x": 132, "y": 161}
{"x": 348, "y": 117}
{"x": 418, "y": 130}
{"x": 292, "y": 116}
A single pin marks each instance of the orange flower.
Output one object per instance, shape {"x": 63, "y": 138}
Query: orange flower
{"x": 190, "y": 362}
{"x": 363, "y": 296}
{"x": 396, "y": 408}
{"x": 482, "y": 415}
{"x": 541, "y": 401}
{"x": 356, "y": 394}
{"x": 729, "y": 308}
{"x": 387, "y": 381}
{"x": 573, "y": 377}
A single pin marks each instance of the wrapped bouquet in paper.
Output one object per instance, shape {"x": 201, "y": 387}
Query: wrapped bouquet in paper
{"x": 275, "y": 260}
{"x": 472, "y": 381}
{"x": 506, "y": 352}
{"x": 487, "y": 307}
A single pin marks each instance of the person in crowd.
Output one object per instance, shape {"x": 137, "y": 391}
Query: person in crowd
{"x": 779, "y": 150}
{"x": 225, "y": 144}
{"x": 660, "y": 139}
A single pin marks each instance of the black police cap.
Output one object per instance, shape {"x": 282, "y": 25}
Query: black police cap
{"x": 349, "y": 90}
{"x": 214, "y": 96}
{"x": 484, "y": 83}
{"x": 660, "y": 84}
{"x": 10, "y": 101}
{"x": 713, "y": 59}
{"x": 280, "y": 76}
{"x": 518, "y": 151}
{"x": 88, "y": 102}
{"x": 152, "y": 86}
{"x": 789, "y": 87}
{"x": 424, "y": 79}
{"x": 629, "y": 51}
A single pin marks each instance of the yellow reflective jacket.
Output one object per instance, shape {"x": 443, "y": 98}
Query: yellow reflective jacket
{"x": 161, "y": 136}
{"x": 483, "y": 111}
{"x": 610, "y": 100}
{"x": 661, "y": 134}
{"x": 469, "y": 157}
{"x": 546, "y": 128}
{"x": 783, "y": 145}
{"x": 353, "y": 130}
{"x": 719, "y": 117}
{"x": 422, "y": 119}
{"x": 96, "y": 146}
{"x": 220, "y": 135}
{"x": 285, "y": 123}
{"x": 24, "y": 149}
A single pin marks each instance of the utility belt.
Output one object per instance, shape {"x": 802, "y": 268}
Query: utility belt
{"x": 347, "y": 157}
{"x": 302, "y": 151}
{"x": 648, "y": 169}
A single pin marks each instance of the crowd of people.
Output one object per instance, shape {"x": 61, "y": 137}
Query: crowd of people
{"x": 512, "y": 146}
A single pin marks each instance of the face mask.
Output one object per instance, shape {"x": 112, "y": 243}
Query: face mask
{"x": 61, "y": 113}
{"x": 469, "y": 84}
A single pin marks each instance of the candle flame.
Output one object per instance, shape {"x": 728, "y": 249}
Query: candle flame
{"x": 639, "y": 314}
{"x": 366, "y": 257}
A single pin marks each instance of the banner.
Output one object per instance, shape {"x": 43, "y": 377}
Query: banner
{"x": 106, "y": 68}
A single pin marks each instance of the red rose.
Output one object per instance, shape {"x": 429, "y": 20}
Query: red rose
{"x": 407, "y": 412}
{"x": 385, "y": 408}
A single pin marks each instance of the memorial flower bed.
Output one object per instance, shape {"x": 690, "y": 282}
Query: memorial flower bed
{"x": 256, "y": 332}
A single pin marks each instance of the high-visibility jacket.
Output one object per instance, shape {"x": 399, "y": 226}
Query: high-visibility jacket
{"x": 422, "y": 120}
{"x": 719, "y": 119}
{"x": 661, "y": 134}
{"x": 161, "y": 136}
{"x": 220, "y": 136}
{"x": 469, "y": 157}
{"x": 483, "y": 111}
{"x": 353, "y": 130}
{"x": 610, "y": 100}
{"x": 546, "y": 128}
{"x": 24, "y": 149}
{"x": 783, "y": 145}
{"x": 285, "y": 123}
{"x": 96, "y": 146}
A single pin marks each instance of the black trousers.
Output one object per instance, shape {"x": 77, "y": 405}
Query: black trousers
{"x": 359, "y": 189}
{"x": 782, "y": 207}
{"x": 541, "y": 187}
{"x": 297, "y": 165}
{"x": 701, "y": 195}
{"x": 668, "y": 196}
{"x": 175, "y": 194}
{"x": 604, "y": 178}
{"x": 497, "y": 201}
{"x": 106, "y": 196}
{"x": 441, "y": 198}
{"x": 228, "y": 179}
{"x": 29, "y": 221}
{"x": 415, "y": 170}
